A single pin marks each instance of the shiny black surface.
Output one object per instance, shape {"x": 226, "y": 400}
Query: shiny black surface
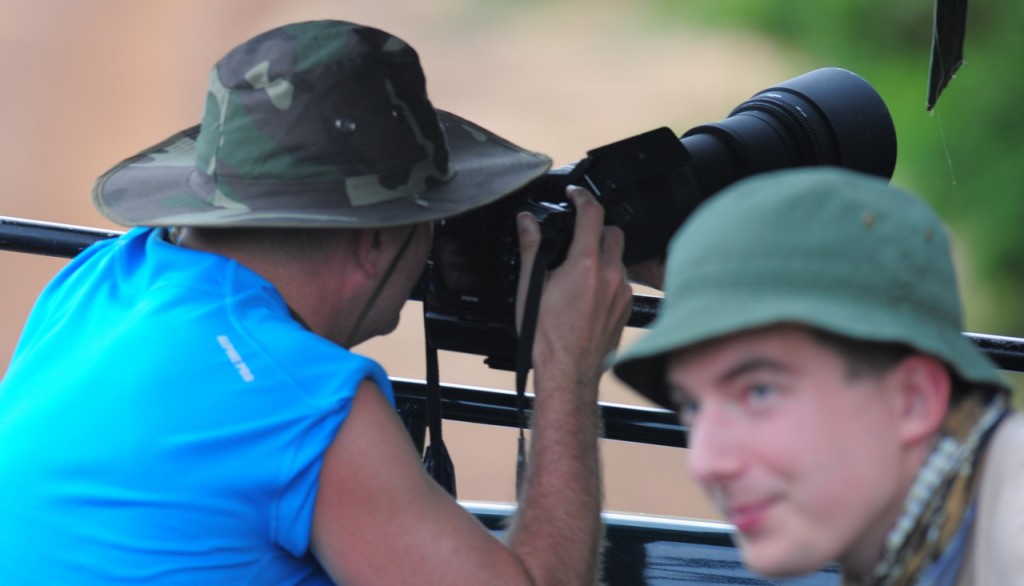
{"x": 1006, "y": 352}
{"x": 47, "y": 238}
{"x": 494, "y": 407}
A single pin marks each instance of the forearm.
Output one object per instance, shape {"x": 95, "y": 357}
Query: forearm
{"x": 556, "y": 534}
{"x": 557, "y": 530}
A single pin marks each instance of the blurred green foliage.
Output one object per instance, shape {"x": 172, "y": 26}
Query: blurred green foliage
{"x": 963, "y": 156}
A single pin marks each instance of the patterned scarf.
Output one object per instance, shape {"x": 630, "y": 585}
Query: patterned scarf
{"x": 940, "y": 505}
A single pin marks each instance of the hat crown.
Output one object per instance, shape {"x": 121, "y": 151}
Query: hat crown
{"x": 320, "y": 124}
{"x": 322, "y": 101}
{"x": 828, "y": 230}
{"x": 821, "y": 247}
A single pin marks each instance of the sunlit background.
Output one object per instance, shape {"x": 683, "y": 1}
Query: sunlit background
{"x": 87, "y": 84}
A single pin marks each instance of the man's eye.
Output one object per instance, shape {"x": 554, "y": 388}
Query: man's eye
{"x": 688, "y": 412}
{"x": 760, "y": 393}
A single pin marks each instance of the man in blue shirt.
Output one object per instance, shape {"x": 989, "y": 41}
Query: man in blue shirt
{"x": 183, "y": 407}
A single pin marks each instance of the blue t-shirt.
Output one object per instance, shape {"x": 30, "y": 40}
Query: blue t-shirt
{"x": 163, "y": 421}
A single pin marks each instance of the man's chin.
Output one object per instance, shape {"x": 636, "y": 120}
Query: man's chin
{"x": 366, "y": 336}
{"x": 392, "y": 328}
{"x": 772, "y": 566}
{"x": 384, "y": 330}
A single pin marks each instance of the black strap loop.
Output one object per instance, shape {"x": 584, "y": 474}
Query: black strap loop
{"x": 436, "y": 460}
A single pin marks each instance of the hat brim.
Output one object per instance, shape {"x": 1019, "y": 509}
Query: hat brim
{"x": 161, "y": 187}
{"x": 643, "y": 366}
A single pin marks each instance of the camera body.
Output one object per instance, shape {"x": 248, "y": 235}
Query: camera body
{"x": 648, "y": 185}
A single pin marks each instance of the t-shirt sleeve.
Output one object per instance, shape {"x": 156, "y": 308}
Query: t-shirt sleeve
{"x": 293, "y": 517}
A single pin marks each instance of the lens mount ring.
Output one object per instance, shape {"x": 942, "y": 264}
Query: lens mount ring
{"x": 795, "y": 114}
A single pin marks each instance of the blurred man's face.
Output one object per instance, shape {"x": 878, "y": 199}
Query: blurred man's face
{"x": 804, "y": 460}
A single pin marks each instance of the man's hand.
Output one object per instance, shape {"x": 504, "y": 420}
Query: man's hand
{"x": 586, "y": 300}
{"x": 583, "y": 309}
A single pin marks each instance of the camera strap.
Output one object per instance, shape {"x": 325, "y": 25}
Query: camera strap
{"x": 436, "y": 459}
{"x": 524, "y": 352}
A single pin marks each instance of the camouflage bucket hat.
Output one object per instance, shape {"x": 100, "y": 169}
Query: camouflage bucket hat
{"x": 821, "y": 247}
{"x": 316, "y": 124}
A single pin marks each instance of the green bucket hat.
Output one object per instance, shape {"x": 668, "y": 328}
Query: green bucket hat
{"x": 316, "y": 124}
{"x": 823, "y": 247}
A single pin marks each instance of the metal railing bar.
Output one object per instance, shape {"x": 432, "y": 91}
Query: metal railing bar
{"x": 65, "y": 240}
{"x": 496, "y": 407}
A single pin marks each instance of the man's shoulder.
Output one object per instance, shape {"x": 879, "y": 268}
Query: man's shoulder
{"x": 1008, "y": 440}
{"x": 997, "y": 549}
{"x": 1003, "y": 466}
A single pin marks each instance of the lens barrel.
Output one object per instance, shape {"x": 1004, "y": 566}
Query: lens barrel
{"x": 828, "y": 116}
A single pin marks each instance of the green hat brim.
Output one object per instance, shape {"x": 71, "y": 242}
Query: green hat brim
{"x": 716, "y": 314}
{"x": 162, "y": 187}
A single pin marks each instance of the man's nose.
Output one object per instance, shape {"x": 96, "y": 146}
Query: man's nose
{"x": 715, "y": 448}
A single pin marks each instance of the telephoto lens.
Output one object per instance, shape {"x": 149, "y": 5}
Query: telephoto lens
{"x": 828, "y": 116}
{"x": 648, "y": 185}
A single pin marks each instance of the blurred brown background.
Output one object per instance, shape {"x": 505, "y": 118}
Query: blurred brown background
{"x": 89, "y": 83}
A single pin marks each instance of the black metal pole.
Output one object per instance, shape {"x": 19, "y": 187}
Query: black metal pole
{"x": 494, "y": 407}
{"x": 47, "y": 238}
{"x": 64, "y": 240}
{"x": 50, "y": 239}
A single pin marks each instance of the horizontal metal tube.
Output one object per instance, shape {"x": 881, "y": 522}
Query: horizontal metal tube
{"x": 470, "y": 404}
{"x": 65, "y": 240}
{"x": 494, "y": 407}
{"x": 46, "y": 238}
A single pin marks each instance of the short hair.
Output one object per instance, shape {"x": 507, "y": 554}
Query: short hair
{"x": 869, "y": 358}
{"x": 299, "y": 243}
{"x": 863, "y": 358}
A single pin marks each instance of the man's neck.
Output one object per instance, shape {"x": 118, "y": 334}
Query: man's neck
{"x": 860, "y": 560}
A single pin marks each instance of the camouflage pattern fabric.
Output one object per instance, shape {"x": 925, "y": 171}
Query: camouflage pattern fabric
{"x": 318, "y": 124}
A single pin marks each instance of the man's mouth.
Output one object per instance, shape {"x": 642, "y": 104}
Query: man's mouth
{"x": 748, "y": 517}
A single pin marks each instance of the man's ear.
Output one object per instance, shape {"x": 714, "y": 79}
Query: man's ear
{"x": 367, "y": 246}
{"x": 923, "y": 387}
